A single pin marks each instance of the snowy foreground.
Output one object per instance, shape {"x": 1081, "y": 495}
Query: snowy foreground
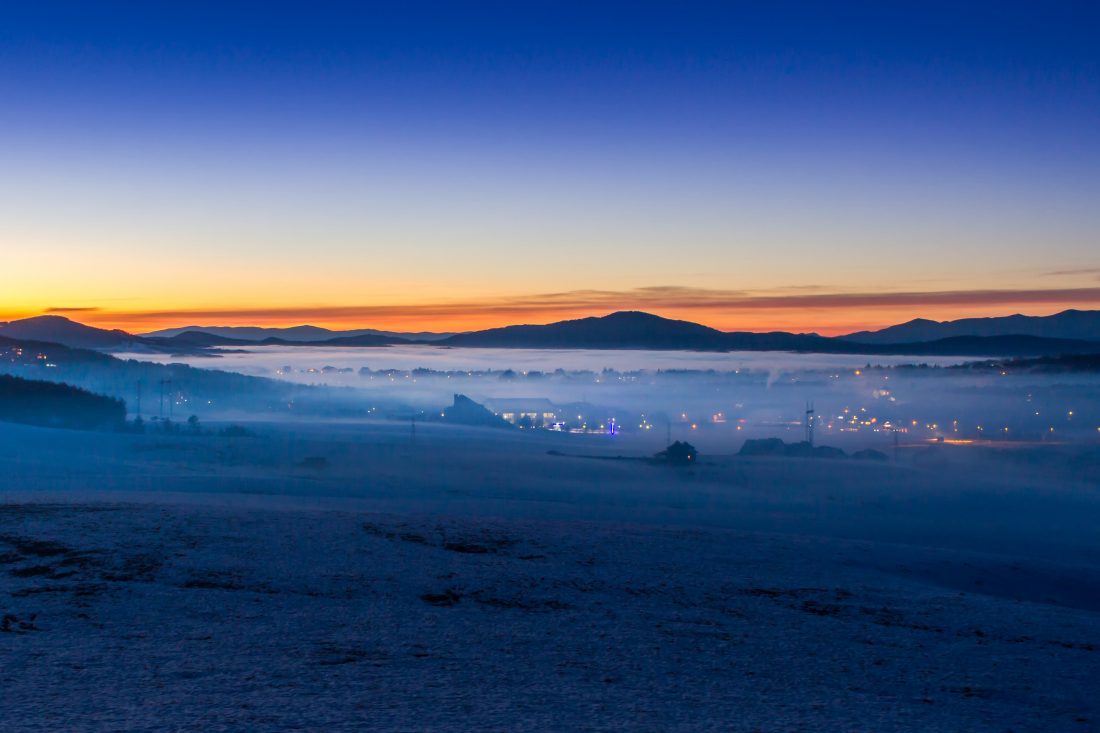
{"x": 470, "y": 581}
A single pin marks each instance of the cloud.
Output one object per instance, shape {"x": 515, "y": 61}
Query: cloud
{"x": 1094, "y": 271}
{"x": 77, "y": 309}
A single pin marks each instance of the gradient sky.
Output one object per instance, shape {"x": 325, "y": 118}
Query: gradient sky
{"x": 806, "y": 166}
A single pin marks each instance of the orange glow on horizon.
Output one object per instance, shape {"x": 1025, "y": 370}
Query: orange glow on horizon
{"x": 826, "y": 321}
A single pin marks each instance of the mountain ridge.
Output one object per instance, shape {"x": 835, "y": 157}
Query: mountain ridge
{"x": 62, "y": 330}
{"x": 1083, "y": 325}
{"x": 303, "y": 332}
{"x": 618, "y": 330}
{"x": 638, "y": 330}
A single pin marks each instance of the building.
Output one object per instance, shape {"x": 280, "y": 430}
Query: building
{"x": 526, "y": 412}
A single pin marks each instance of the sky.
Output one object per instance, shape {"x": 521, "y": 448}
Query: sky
{"x": 445, "y": 166}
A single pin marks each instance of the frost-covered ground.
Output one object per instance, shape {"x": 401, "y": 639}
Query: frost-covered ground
{"x": 467, "y": 580}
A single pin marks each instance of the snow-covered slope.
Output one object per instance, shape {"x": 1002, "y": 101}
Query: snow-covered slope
{"x": 466, "y": 580}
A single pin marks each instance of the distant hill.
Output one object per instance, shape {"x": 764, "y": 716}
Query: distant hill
{"x": 196, "y": 339}
{"x": 52, "y": 404}
{"x": 365, "y": 339}
{"x": 635, "y": 330}
{"x": 61, "y": 330}
{"x": 1071, "y": 324}
{"x": 621, "y": 330}
{"x": 185, "y": 389}
{"x": 628, "y": 330}
{"x": 202, "y": 340}
{"x": 292, "y": 333}
{"x": 66, "y": 332}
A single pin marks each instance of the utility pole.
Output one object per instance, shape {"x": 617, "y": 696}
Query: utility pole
{"x": 163, "y": 384}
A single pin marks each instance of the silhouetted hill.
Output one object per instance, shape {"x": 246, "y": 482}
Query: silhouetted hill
{"x": 61, "y": 330}
{"x": 53, "y": 404}
{"x": 248, "y": 333}
{"x": 634, "y": 330}
{"x": 363, "y": 340}
{"x": 628, "y": 330}
{"x": 185, "y": 389}
{"x": 290, "y": 334}
{"x": 202, "y": 340}
{"x": 30, "y": 352}
{"x": 621, "y": 330}
{"x": 196, "y": 339}
{"x": 1071, "y": 324}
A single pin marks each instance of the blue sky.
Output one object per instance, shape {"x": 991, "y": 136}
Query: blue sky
{"x": 414, "y": 162}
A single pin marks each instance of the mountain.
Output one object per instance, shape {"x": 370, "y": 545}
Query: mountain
{"x": 201, "y": 340}
{"x": 634, "y": 330}
{"x": 622, "y": 330}
{"x": 61, "y": 330}
{"x": 249, "y": 333}
{"x": 1071, "y": 324}
{"x": 630, "y": 330}
{"x": 54, "y": 405}
{"x": 365, "y": 339}
{"x": 196, "y": 339}
{"x": 240, "y": 334}
{"x": 202, "y": 391}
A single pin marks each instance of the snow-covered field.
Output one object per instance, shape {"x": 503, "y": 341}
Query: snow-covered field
{"x": 468, "y": 580}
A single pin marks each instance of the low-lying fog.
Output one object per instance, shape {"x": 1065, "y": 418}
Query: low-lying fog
{"x": 715, "y": 400}
{"x": 267, "y": 361}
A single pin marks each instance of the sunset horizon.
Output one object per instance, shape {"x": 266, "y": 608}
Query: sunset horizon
{"x": 828, "y": 314}
{"x": 474, "y": 167}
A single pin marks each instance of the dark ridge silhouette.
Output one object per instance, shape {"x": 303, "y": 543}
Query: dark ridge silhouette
{"x": 629, "y": 330}
{"x": 251, "y": 333}
{"x": 621, "y": 330}
{"x": 634, "y": 330}
{"x": 32, "y": 349}
{"x": 203, "y": 340}
{"x": 61, "y": 330}
{"x": 291, "y": 333}
{"x": 66, "y": 332}
{"x": 57, "y": 405}
{"x": 1075, "y": 325}
{"x": 362, "y": 340}
{"x": 197, "y": 339}
{"x": 193, "y": 389}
